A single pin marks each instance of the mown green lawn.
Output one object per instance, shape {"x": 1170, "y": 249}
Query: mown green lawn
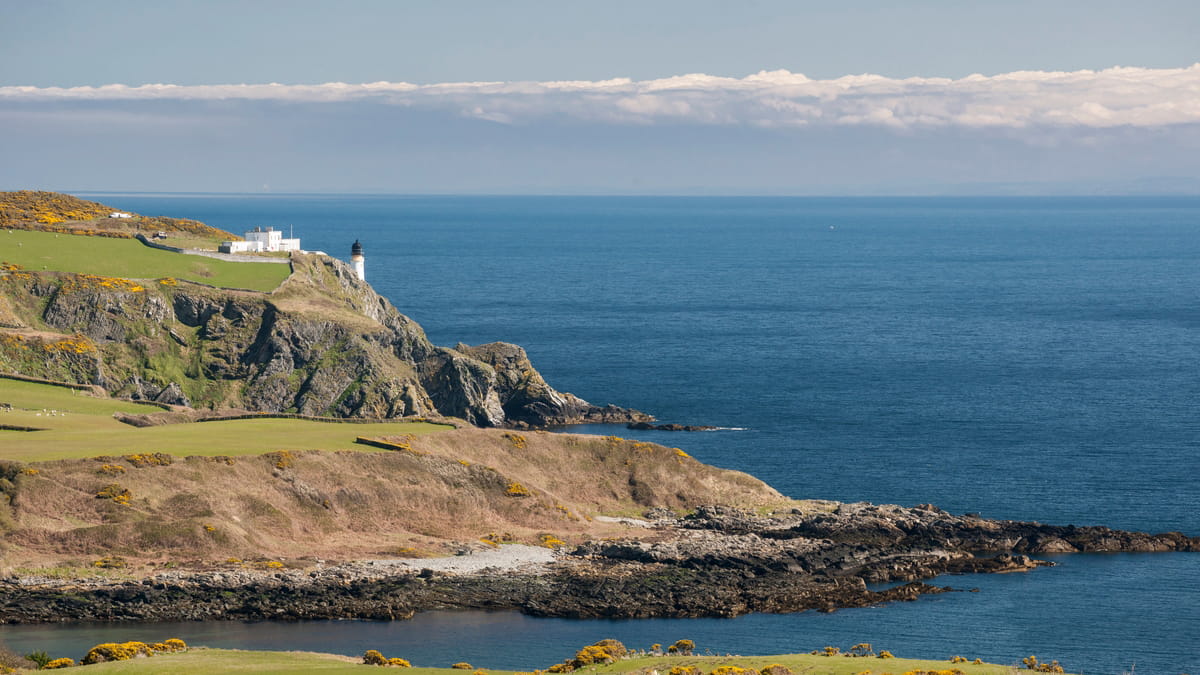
{"x": 87, "y": 429}
{"x": 130, "y": 259}
{"x": 203, "y": 661}
{"x": 206, "y": 661}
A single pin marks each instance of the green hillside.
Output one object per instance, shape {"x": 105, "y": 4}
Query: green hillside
{"x": 130, "y": 259}
{"x": 83, "y": 426}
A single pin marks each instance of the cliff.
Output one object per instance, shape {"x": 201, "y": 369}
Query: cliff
{"x": 323, "y": 343}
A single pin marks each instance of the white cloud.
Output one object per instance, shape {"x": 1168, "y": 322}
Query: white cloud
{"x": 1135, "y": 97}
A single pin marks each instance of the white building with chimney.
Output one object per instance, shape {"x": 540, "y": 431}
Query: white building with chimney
{"x": 259, "y": 240}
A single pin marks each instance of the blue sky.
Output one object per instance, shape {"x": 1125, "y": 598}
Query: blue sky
{"x": 664, "y": 97}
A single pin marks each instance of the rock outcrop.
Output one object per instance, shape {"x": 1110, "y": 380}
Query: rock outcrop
{"x": 323, "y": 343}
{"x": 719, "y": 561}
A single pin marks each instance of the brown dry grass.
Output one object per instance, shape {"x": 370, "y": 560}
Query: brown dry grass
{"x": 451, "y": 488}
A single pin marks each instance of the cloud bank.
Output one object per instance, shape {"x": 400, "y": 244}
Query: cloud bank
{"x": 1116, "y": 97}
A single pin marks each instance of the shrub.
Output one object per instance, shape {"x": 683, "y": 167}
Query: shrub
{"x": 733, "y": 670}
{"x": 683, "y": 647}
{"x": 111, "y": 562}
{"x": 552, "y": 542}
{"x": 862, "y": 649}
{"x": 372, "y": 657}
{"x": 517, "y": 490}
{"x": 59, "y": 663}
{"x": 958, "y": 659}
{"x": 463, "y": 665}
{"x": 602, "y": 652}
{"x": 885, "y": 654}
{"x": 1031, "y": 663}
{"x": 592, "y": 654}
{"x": 114, "y": 651}
{"x": 683, "y": 670}
{"x": 141, "y": 460}
{"x": 282, "y": 459}
{"x": 111, "y": 470}
{"x": 517, "y": 440}
{"x": 40, "y": 658}
{"x": 116, "y": 493}
{"x": 776, "y": 669}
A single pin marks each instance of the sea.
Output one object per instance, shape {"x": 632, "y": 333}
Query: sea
{"x": 1030, "y": 358}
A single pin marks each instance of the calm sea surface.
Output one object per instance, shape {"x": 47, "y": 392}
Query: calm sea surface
{"x": 1026, "y": 358}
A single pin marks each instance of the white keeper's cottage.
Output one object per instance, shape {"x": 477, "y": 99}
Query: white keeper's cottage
{"x": 259, "y": 240}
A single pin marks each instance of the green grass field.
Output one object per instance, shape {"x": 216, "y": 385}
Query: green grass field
{"x": 203, "y": 661}
{"x": 87, "y": 429}
{"x": 129, "y": 259}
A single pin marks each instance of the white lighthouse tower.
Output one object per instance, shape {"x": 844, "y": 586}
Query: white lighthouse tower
{"x": 357, "y": 260}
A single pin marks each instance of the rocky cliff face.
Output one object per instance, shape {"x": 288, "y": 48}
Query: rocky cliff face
{"x": 324, "y": 343}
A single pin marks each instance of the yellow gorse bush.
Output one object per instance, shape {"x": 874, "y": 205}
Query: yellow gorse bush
{"x": 733, "y": 670}
{"x": 116, "y": 651}
{"x": 140, "y": 460}
{"x": 116, "y": 493}
{"x": 517, "y": 490}
{"x": 373, "y": 657}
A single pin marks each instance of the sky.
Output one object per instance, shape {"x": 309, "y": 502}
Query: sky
{"x": 664, "y": 97}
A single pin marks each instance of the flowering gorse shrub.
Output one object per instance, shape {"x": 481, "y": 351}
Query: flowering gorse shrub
{"x": 551, "y": 541}
{"x": 733, "y": 670}
{"x": 141, "y": 460}
{"x": 1031, "y": 663}
{"x": 116, "y": 651}
{"x": 684, "y": 647}
{"x": 515, "y": 489}
{"x": 862, "y": 649}
{"x": 116, "y": 493}
{"x": 59, "y": 663}
{"x": 602, "y": 652}
{"x": 372, "y": 657}
{"x": 516, "y": 440}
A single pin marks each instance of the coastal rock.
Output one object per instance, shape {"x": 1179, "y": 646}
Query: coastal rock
{"x": 324, "y": 343}
{"x": 711, "y": 566}
{"x": 648, "y": 426}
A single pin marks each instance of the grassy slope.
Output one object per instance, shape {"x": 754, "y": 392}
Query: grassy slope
{"x": 57, "y": 212}
{"x": 130, "y": 259}
{"x": 451, "y": 486}
{"x": 199, "y": 661}
{"x": 88, "y": 429}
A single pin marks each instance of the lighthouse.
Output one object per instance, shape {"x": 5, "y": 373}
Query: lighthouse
{"x": 356, "y": 259}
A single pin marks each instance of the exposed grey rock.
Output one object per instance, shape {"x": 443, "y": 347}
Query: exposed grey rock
{"x": 325, "y": 343}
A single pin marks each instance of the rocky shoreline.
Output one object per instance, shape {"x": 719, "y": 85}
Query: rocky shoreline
{"x": 718, "y": 561}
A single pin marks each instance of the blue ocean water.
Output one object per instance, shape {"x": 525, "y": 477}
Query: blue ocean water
{"x": 1027, "y": 358}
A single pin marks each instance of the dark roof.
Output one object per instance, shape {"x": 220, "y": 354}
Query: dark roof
{"x": 356, "y": 249}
